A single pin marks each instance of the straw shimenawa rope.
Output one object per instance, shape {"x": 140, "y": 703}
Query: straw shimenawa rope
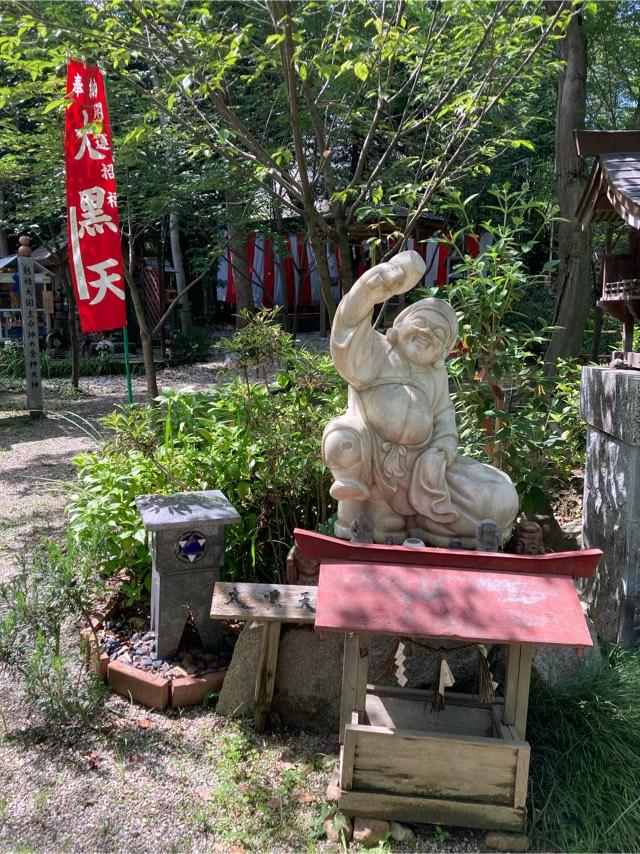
{"x": 485, "y": 687}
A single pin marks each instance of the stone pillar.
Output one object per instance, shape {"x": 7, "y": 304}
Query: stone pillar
{"x": 186, "y": 540}
{"x": 610, "y": 404}
{"x": 30, "y": 340}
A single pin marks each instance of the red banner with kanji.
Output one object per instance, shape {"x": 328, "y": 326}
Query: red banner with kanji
{"x": 95, "y": 251}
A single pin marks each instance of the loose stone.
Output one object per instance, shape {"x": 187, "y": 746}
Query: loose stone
{"x": 177, "y": 671}
{"x": 337, "y": 827}
{"x": 369, "y": 831}
{"x": 401, "y": 833}
{"x": 516, "y": 842}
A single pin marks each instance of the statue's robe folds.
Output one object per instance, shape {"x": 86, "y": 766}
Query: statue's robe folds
{"x": 405, "y": 413}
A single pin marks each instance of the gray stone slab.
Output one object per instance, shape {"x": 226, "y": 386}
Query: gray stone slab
{"x": 611, "y": 504}
{"x": 172, "y": 600}
{"x": 168, "y": 554}
{"x": 186, "y": 509}
{"x": 309, "y": 674}
{"x": 186, "y": 541}
{"x": 610, "y": 402}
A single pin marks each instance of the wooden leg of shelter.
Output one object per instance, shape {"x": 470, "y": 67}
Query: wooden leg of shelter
{"x": 354, "y": 678}
{"x": 266, "y": 678}
{"x": 516, "y": 700}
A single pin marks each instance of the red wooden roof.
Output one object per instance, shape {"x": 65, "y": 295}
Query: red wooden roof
{"x": 443, "y": 602}
{"x": 579, "y": 564}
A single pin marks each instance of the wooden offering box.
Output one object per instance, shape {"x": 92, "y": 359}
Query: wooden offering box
{"x": 469, "y": 764}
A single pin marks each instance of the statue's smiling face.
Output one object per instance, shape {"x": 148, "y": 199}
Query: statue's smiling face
{"x": 420, "y": 342}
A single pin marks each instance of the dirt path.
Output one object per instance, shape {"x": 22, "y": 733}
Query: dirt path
{"x": 36, "y": 468}
{"x": 144, "y": 781}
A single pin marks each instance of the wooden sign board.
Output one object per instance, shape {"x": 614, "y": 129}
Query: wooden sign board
{"x": 283, "y": 603}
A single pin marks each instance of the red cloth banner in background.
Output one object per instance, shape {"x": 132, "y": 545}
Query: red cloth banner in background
{"x": 92, "y": 203}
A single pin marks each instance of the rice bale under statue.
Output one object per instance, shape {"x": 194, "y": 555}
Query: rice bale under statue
{"x": 394, "y": 453}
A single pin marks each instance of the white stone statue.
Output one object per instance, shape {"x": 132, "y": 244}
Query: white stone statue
{"x": 394, "y": 453}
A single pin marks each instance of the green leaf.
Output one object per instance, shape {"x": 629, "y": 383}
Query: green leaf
{"x": 54, "y": 105}
{"x": 361, "y": 70}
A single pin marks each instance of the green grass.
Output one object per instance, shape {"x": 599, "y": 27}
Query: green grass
{"x": 585, "y": 759}
{"x": 258, "y": 801}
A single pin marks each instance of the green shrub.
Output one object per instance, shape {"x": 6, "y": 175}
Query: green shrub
{"x": 259, "y": 442}
{"x": 187, "y": 349}
{"x": 12, "y": 364}
{"x": 54, "y": 585}
{"x": 508, "y": 412}
{"x": 12, "y": 360}
{"x": 585, "y": 759}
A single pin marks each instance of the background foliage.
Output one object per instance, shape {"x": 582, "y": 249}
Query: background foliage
{"x": 509, "y": 413}
{"x": 255, "y": 437}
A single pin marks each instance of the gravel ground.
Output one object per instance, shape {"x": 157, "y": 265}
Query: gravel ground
{"x": 142, "y": 781}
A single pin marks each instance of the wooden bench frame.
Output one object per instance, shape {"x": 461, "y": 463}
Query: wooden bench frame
{"x": 269, "y": 605}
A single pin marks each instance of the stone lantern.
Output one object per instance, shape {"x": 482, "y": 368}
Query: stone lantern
{"x": 186, "y": 540}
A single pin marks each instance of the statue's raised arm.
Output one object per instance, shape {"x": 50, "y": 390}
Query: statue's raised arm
{"x": 357, "y": 349}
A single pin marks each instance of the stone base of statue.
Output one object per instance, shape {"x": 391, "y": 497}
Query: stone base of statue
{"x": 610, "y": 405}
{"x": 394, "y": 453}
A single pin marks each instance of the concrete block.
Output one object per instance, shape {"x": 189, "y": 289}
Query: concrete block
{"x": 610, "y": 402}
{"x": 191, "y": 690}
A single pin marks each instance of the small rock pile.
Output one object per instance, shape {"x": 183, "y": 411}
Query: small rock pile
{"x": 131, "y": 641}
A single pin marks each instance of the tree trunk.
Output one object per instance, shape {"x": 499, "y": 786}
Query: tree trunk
{"x": 319, "y": 246}
{"x": 342, "y": 240}
{"x": 4, "y": 241}
{"x": 239, "y": 262}
{"x": 278, "y": 260}
{"x": 574, "y": 292}
{"x": 72, "y": 320}
{"x": 145, "y": 332}
{"x": 176, "y": 255}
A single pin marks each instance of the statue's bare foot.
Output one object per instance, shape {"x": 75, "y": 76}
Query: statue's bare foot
{"x": 349, "y": 489}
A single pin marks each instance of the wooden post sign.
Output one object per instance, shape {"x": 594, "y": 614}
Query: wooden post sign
{"x": 30, "y": 342}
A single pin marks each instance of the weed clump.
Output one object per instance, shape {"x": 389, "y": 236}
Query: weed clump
{"x": 585, "y": 759}
{"x": 54, "y": 584}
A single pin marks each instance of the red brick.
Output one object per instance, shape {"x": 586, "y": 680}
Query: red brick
{"x": 138, "y": 685}
{"x": 190, "y": 690}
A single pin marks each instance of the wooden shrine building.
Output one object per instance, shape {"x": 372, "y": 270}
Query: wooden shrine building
{"x": 404, "y": 754}
{"x": 612, "y": 195}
